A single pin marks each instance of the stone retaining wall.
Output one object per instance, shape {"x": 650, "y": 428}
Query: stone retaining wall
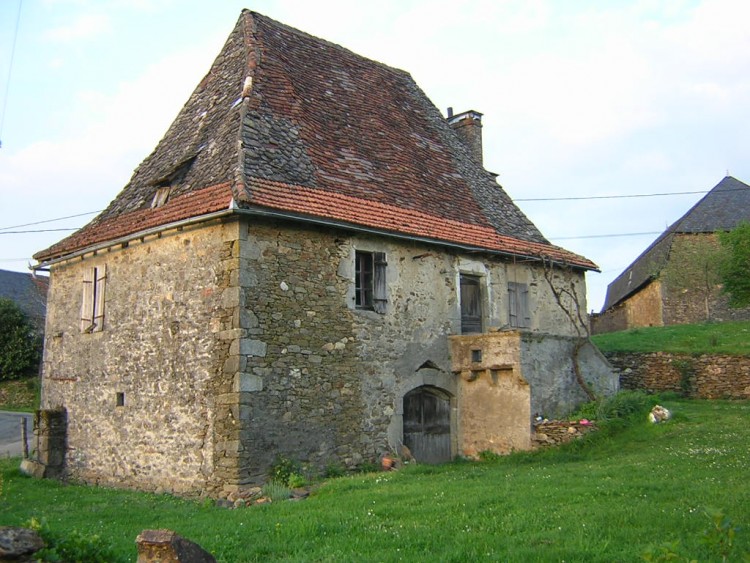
{"x": 704, "y": 377}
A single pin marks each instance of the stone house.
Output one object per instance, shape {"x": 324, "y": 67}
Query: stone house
{"x": 312, "y": 263}
{"x": 676, "y": 280}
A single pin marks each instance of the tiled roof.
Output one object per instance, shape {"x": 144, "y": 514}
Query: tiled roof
{"x": 193, "y": 204}
{"x": 293, "y": 122}
{"x": 721, "y": 209}
{"x": 385, "y": 217}
{"x": 29, "y": 292}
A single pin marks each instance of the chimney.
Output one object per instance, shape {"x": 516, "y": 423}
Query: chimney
{"x": 468, "y": 125}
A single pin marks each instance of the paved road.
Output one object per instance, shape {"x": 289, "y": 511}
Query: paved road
{"x": 10, "y": 432}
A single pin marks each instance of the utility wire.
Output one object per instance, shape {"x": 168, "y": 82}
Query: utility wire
{"x": 10, "y": 71}
{"x": 37, "y": 231}
{"x": 48, "y": 221}
{"x": 605, "y": 236}
{"x": 613, "y": 196}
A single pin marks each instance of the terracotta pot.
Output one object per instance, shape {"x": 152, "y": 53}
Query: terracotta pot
{"x": 387, "y": 463}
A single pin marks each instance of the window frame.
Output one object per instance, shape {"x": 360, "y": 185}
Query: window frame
{"x": 471, "y": 323}
{"x": 370, "y": 281}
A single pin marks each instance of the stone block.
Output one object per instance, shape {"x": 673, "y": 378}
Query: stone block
{"x": 247, "y": 383}
{"x": 250, "y": 347}
{"x": 18, "y": 544}
{"x": 165, "y": 546}
{"x": 230, "y": 297}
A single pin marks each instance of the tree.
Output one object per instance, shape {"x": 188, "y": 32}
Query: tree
{"x": 20, "y": 345}
{"x": 735, "y": 268}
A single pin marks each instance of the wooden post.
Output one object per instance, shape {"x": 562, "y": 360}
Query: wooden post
{"x": 24, "y": 438}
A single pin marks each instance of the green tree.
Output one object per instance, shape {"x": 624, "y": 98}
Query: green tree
{"x": 735, "y": 268}
{"x": 20, "y": 345}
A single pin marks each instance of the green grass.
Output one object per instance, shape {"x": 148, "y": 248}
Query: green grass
{"x": 710, "y": 338}
{"x": 607, "y": 498}
{"x": 20, "y": 395}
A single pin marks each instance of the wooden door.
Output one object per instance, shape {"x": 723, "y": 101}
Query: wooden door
{"x": 427, "y": 424}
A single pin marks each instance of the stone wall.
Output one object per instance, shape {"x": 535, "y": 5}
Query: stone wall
{"x": 693, "y": 290}
{"x": 494, "y": 398}
{"x": 508, "y": 376}
{"x": 643, "y": 308}
{"x": 705, "y": 376}
{"x": 140, "y": 394}
{"x": 227, "y": 344}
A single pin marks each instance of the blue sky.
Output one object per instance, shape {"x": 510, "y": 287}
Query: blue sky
{"x": 585, "y": 98}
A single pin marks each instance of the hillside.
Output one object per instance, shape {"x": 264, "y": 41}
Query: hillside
{"x": 709, "y": 338}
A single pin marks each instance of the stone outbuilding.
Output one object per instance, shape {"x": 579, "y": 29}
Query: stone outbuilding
{"x": 27, "y": 291}
{"x": 314, "y": 264}
{"x": 676, "y": 279}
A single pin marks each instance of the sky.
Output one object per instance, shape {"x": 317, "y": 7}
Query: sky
{"x": 581, "y": 99}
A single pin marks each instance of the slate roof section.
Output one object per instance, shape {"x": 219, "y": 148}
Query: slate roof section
{"x": 721, "y": 209}
{"x": 283, "y": 112}
{"x": 29, "y": 292}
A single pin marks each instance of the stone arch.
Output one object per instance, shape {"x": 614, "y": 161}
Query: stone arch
{"x": 424, "y": 376}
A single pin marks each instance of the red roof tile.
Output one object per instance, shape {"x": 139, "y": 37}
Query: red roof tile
{"x": 290, "y": 122}
{"x": 193, "y": 204}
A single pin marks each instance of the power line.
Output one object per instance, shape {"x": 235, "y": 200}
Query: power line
{"x": 624, "y": 196}
{"x": 10, "y": 71}
{"x": 614, "y": 235}
{"x": 37, "y": 231}
{"x": 621, "y": 196}
{"x": 47, "y": 221}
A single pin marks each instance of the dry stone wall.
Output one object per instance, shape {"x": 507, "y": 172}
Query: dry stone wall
{"x": 704, "y": 376}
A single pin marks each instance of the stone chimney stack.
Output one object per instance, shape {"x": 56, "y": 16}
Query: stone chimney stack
{"x": 468, "y": 125}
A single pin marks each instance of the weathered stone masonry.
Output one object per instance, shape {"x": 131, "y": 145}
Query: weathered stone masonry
{"x": 707, "y": 376}
{"x": 161, "y": 353}
{"x": 239, "y": 341}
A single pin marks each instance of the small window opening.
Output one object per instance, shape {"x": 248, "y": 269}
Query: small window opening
{"x": 369, "y": 281}
{"x": 476, "y": 356}
{"x": 120, "y": 398}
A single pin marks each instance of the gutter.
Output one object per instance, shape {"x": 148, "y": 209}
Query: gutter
{"x": 256, "y": 212}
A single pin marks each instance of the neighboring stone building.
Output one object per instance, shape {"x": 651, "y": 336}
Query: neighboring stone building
{"x": 28, "y": 291}
{"x": 676, "y": 280}
{"x": 311, "y": 263}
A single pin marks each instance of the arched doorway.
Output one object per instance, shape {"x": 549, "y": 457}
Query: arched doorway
{"x": 427, "y": 424}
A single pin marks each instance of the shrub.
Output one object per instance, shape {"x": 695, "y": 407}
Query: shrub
{"x": 277, "y": 491}
{"x": 283, "y": 468}
{"x": 75, "y": 546}
{"x": 20, "y": 345}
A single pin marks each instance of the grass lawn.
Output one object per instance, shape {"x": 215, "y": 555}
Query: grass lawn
{"x": 607, "y": 498}
{"x": 20, "y": 395}
{"x": 709, "y": 338}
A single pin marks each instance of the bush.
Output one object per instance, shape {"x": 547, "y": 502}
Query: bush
{"x": 623, "y": 406}
{"x": 76, "y": 546}
{"x": 20, "y": 345}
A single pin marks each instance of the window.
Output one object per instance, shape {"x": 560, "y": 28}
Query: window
{"x": 369, "y": 281}
{"x": 518, "y": 305}
{"x": 471, "y": 304}
{"x": 92, "y": 308}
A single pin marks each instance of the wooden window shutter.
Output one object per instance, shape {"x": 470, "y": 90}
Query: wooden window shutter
{"x": 87, "y": 305}
{"x": 379, "y": 300}
{"x": 101, "y": 276}
{"x": 512, "y": 305}
{"x": 523, "y": 308}
{"x": 519, "y": 314}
